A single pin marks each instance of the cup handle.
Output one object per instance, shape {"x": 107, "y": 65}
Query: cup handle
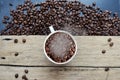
{"x": 51, "y": 29}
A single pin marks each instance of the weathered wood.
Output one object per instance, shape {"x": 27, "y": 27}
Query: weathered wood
{"x": 54, "y": 73}
{"x": 114, "y": 74}
{"x": 88, "y": 54}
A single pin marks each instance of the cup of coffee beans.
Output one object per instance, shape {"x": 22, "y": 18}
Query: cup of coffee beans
{"x": 60, "y": 46}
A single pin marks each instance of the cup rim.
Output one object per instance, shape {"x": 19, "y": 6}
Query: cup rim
{"x": 46, "y": 52}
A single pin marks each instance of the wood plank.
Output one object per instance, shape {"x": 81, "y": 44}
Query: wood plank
{"x": 114, "y": 74}
{"x": 53, "y": 73}
{"x": 88, "y": 54}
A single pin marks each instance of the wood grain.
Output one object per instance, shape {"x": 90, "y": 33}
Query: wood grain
{"x": 53, "y": 73}
{"x": 88, "y": 64}
{"x": 88, "y": 54}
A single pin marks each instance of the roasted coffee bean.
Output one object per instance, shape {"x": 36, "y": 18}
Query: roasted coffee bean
{"x": 94, "y": 4}
{"x": 24, "y": 77}
{"x": 115, "y": 14}
{"x": 26, "y": 71}
{"x": 109, "y": 40}
{"x": 107, "y": 69}
{"x": 10, "y": 4}
{"x": 4, "y": 21}
{"x": 111, "y": 44}
{"x": 15, "y": 40}
{"x": 16, "y": 54}
{"x": 6, "y": 18}
{"x": 16, "y": 75}
{"x": 24, "y": 40}
{"x": 103, "y": 51}
{"x": 47, "y": 49}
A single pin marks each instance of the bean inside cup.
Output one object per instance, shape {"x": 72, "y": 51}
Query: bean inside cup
{"x": 60, "y": 47}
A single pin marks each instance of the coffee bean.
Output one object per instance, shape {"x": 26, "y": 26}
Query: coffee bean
{"x": 15, "y": 40}
{"x": 26, "y": 71}
{"x": 16, "y": 53}
{"x": 115, "y": 14}
{"x": 94, "y": 4}
{"x": 6, "y": 18}
{"x": 47, "y": 49}
{"x": 24, "y": 77}
{"x": 16, "y": 75}
{"x": 103, "y": 51}
{"x": 109, "y": 40}
{"x": 10, "y": 4}
{"x": 107, "y": 69}
{"x": 4, "y": 21}
{"x": 24, "y": 40}
{"x": 111, "y": 44}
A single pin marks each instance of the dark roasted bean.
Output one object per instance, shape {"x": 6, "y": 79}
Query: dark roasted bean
{"x": 10, "y": 4}
{"x": 16, "y": 54}
{"x": 24, "y": 40}
{"x": 103, "y": 51}
{"x": 16, "y": 75}
{"x": 26, "y": 71}
{"x": 15, "y": 40}
{"x": 107, "y": 69}
{"x": 24, "y": 77}
{"x": 109, "y": 40}
{"x": 111, "y": 44}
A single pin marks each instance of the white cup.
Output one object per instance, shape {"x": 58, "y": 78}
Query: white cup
{"x": 53, "y": 32}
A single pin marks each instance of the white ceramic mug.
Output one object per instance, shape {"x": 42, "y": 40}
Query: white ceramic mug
{"x": 53, "y": 32}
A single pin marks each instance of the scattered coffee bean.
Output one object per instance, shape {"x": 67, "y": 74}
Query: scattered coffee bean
{"x": 109, "y": 40}
{"x": 24, "y": 77}
{"x": 16, "y": 75}
{"x": 107, "y": 69}
{"x": 3, "y": 58}
{"x": 103, "y": 51}
{"x": 111, "y": 44}
{"x": 15, "y": 40}
{"x": 10, "y": 4}
{"x": 16, "y": 54}
{"x": 24, "y": 40}
{"x": 26, "y": 71}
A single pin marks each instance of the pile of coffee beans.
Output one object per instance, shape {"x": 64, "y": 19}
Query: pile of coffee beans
{"x": 60, "y": 47}
{"x": 35, "y": 18}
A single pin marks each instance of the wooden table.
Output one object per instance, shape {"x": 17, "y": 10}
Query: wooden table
{"x": 88, "y": 64}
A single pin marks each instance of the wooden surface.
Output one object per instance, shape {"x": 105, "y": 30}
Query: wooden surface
{"x": 88, "y": 64}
